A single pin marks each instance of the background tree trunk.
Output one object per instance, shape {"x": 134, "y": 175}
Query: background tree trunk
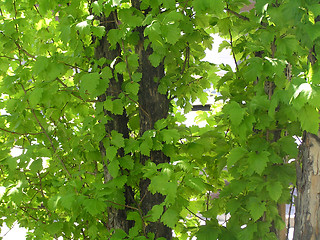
{"x": 307, "y": 218}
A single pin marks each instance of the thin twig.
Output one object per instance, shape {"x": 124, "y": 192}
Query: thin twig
{"x": 237, "y": 14}
{"x": 17, "y": 133}
{"x": 196, "y": 215}
{"x": 11, "y": 58}
{"x": 185, "y": 5}
{"x": 122, "y": 205}
{"x": 233, "y": 54}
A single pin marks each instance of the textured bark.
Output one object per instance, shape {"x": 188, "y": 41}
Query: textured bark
{"x": 152, "y": 107}
{"x": 307, "y": 218}
{"x": 117, "y": 218}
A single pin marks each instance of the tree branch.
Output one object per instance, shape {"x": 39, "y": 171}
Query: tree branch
{"x": 237, "y": 14}
{"x": 17, "y": 133}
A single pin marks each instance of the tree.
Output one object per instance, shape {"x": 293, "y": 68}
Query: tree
{"x": 94, "y": 94}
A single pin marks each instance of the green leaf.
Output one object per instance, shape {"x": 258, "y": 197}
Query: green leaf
{"x": 127, "y": 162}
{"x": 35, "y": 97}
{"x": 36, "y": 165}
{"x": 289, "y": 146}
{"x": 135, "y": 216}
{"x": 275, "y": 190}
{"x": 155, "y": 59}
{"x": 160, "y": 124}
{"x": 256, "y": 208}
{"x": 208, "y": 232}
{"x": 156, "y": 212}
{"x": 94, "y": 206}
{"x": 117, "y": 107}
{"x": 170, "y": 217}
{"x": 111, "y": 152}
{"x": 117, "y": 139}
{"x": 98, "y": 31}
{"x": 258, "y": 162}
{"x": 96, "y": 8}
{"x": 170, "y": 135}
{"x": 89, "y": 83}
{"x": 235, "y": 155}
{"x": 113, "y": 168}
{"x": 118, "y": 234}
{"x": 309, "y": 118}
{"x": 92, "y": 231}
{"x": 53, "y": 202}
{"x": 235, "y": 112}
{"x": 132, "y": 88}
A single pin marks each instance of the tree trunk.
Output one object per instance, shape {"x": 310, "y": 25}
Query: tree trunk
{"x": 117, "y": 218}
{"x": 307, "y": 218}
{"x": 152, "y": 107}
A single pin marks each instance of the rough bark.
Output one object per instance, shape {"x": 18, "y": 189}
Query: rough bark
{"x": 152, "y": 107}
{"x": 307, "y": 218}
{"x": 117, "y": 218}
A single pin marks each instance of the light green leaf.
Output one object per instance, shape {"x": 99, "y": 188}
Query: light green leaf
{"x": 309, "y": 118}
{"x": 132, "y": 88}
{"x": 208, "y": 232}
{"x": 117, "y": 107}
{"x": 155, "y": 59}
{"x": 35, "y": 97}
{"x": 117, "y": 139}
{"x": 170, "y": 217}
{"x": 257, "y": 162}
{"x": 111, "y": 152}
{"x": 256, "y": 208}
{"x": 156, "y": 212}
{"x": 113, "y": 168}
{"x": 127, "y": 162}
{"x": 235, "y": 112}
{"x": 235, "y": 155}
{"x": 98, "y": 31}
{"x": 275, "y": 190}
{"x": 36, "y": 165}
{"x": 94, "y": 206}
{"x": 89, "y": 83}
{"x": 92, "y": 231}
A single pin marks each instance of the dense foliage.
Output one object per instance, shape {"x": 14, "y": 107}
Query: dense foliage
{"x": 51, "y": 83}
